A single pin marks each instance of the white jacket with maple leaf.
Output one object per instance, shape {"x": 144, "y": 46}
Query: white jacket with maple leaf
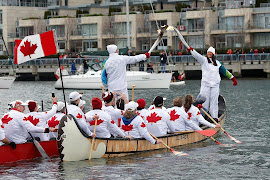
{"x": 137, "y": 129}
{"x": 77, "y": 113}
{"x": 40, "y": 119}
{"x": 2, "y": 133}
{"x": 195, "y": 115}
{"x": 105, "y": 125}
{"x": 142, "y": 113}
{"x": 116, "y": 114}
{"x": 16, "y": 128}
{"x": 158, "y": 122}
{"x": 180, "y": 119}
{"x": 53, "y": 122}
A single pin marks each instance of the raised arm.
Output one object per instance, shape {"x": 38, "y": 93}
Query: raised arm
{"x": 226, "y": 73}
{"x": 200, "y": 58}
{"x": 135, "y": 59}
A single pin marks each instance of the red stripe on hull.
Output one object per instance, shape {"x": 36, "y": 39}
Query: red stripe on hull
{"x": 27, "y": 151}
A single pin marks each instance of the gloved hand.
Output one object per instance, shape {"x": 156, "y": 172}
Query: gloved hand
{"x": 13, "y": 145}
{"x": 147, "y": 55}
{"x": 234, "y": 81}
{"x": 199, "y": 106}
{"x": 189, "y": 49}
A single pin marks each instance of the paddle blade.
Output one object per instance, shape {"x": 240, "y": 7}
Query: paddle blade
{"x": 207, "y": 132}
{"x": 232, "y": 138}
{"x": 177, "y": 153}
{"x": 40, "y": 149}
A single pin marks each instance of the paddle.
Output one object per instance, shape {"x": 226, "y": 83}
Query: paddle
{"x": 232, "y": 138}
{"x": 39, "y": 147}
{"x": 92, "y": 144}
{"x": 133, "y": 86}
{"x": 177, "y": 153}
{"x": 202, "y": 132}
{"x": 102, "y": 87}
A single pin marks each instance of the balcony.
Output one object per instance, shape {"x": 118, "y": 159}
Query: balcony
{"x": 256, "y": 25}
{"x": 226, "y": 28}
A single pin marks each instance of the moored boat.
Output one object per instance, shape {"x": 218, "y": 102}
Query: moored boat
{"x": 178, "y": 83}
{"x": 76, "y": 146}
{"x": 6, "y": 81}
{"x": 92, "y": 80}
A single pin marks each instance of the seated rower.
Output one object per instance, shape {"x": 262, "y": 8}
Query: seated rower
{"x": 179, "y": 117}
{"x": 40, "y": 119}
{"x": 152, "y": 106}
{"x": 3, "y": 139}
{"x": 133, "y": 125}
{"x": 157, "y": 120}
{"x": 105, "y": 125}
{"x": 17, "y": 127}
{"x": 194, "y": 114}
{"x": 54, "y": 121}
{"x": 109, "y": 100}
{"x": 141, "y": 111}
{"x": 82, "y": 105}
{"x": 77, "y": 113}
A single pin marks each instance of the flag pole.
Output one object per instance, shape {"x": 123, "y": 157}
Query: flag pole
{"x": 63, "y": 89}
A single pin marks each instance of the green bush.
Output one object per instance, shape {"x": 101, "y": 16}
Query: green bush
{"x": 114, "y": 9}
{"x": 144, "y": 8}
{"x": 93, "y": 15}
{"x": 31, "y": 18}
{"x": 46, "y": 14}
{"x": 258, "y": 2}
{"x": 179, "y": 6}
{"x": 78, "y": 12}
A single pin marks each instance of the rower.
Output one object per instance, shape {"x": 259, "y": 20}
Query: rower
{"x": 179, "y": 117}
{"x": 115, "y": 68}
{"x": 133, "y": 125}
{"x": 109, "y": 100}
{"x": 16, "y": 126}
{"x": 54, "y": 121}
{"x": 141, "y": 111}
{"x": 3, "y": 139}
{"x": 82, "y": 105}
{"x": 77, "y": 113}
{"x": 105, "y": 125}
{"x": 157, "y": 120}
{"x": 40, "y": 119}
{"x": 194, "y": 114}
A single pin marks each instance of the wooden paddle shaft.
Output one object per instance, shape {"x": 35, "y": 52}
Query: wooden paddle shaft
{"x": 92, "y": 144}
{"x": 212, "y": 119}
{"x": 102, "y": 87}
{"x": 133, "y": 86}
{"x": 161, "y": 142}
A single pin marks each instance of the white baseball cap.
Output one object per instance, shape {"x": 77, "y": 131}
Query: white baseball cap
{"x": 111, "y": 48}
{"x": 60, "y": 106}
{"x": 74, "y": 96}
{"x": 81, "y": 103}
{"x": 212, "y": 50}
{"x": 131, "y": 106}
{"x": 18, "y": 102}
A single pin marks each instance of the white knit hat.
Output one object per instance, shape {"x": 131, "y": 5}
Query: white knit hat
{"x": 212, "y": 50}
{"x": 131, "y": 106}
{"x": 111, "y": 48}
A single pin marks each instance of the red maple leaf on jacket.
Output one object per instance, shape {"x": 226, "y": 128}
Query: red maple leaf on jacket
{"x": 138, "y": 113}
{"x": 189, "y": 115}
{"x": 153, "y": 118}
{"x": 79, "y": 116}
{"x": 6, "y": 119}
{"x": 27, "y": 49}
{"x": 53, "y": 122}
{"x": 99, "y": 121}
{"x": 173, "y": 115}
{"x": 32, "y": 120}
{"x": 112, "y": 121}
{"x": 143, "y": 125}
{"x": 127, "y": 127}
{"x": 198, "y": 113}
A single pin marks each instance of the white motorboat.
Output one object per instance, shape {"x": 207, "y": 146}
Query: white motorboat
{"x": 92, "y": 80}
{"x": 6, "y": 81}
{"x": 178, "y": 83}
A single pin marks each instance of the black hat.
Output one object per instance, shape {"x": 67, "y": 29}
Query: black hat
{"x": 158, "y": 101}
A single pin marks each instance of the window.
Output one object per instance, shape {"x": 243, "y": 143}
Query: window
{"x": 235, "y": 23}
{"x": 153, "y": 26}
{"x": 261, "y": 39}
{"x": 89, "y": 29}
{"x": 196, "y": 41}
{"x": 121, "y": 28}
{"x": 261, "y": 21}
{"x": 196, "y": 25}
{"x": 122, "y": 43}
{"x": 25, "y": 31}
{"x": 90, "y": 45}
{"x": 1, "y": 17}
{"x": 59, "y": 29}
{"x": 235, "y": 41}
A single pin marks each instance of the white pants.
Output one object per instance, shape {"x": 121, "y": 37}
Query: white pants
{"x": 211, "y": 94}
{"x": 125, "y": 91}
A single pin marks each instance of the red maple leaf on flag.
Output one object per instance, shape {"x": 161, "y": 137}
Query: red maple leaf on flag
{"x": 127, "y": 127}
{"x": 189, "y": 115}
{"x": 198, "y": 113}
{"x": 99, "y": 121}
{"x": 153, "y": 118}
{"x": 6, "y": 119}
{"x": 27, "y": 49}
{"x": 32, "y": 120}
{"x": 143, "y": 125}
{"x": 173, "y": 115}
{"x": 53, "y": 122}
{"x": 79, "y": 116}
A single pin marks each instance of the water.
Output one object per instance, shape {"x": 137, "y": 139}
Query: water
{"x": 248, "y": 120}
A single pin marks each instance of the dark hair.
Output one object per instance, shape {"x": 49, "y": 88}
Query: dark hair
{"x": 120, "y": 104}
{"x": 188, "y": 101}
{"x": 213, "y": 59}
{"x": 177, "y": 101}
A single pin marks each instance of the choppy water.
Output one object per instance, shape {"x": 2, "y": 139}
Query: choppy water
{"x": 248, "y": 120}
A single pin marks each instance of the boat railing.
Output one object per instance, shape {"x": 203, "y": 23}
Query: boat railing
{"x": 186, "y": 59}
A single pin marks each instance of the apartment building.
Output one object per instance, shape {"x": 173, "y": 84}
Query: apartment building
{"x": 85, "y": 26}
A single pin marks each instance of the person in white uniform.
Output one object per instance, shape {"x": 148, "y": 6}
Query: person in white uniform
{"x": 211, "y": 70}
{"x": 115, "y": 68}
{"x": 55, "y": 120}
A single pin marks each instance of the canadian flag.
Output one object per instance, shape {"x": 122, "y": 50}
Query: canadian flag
{"x": 35, "y": 46}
